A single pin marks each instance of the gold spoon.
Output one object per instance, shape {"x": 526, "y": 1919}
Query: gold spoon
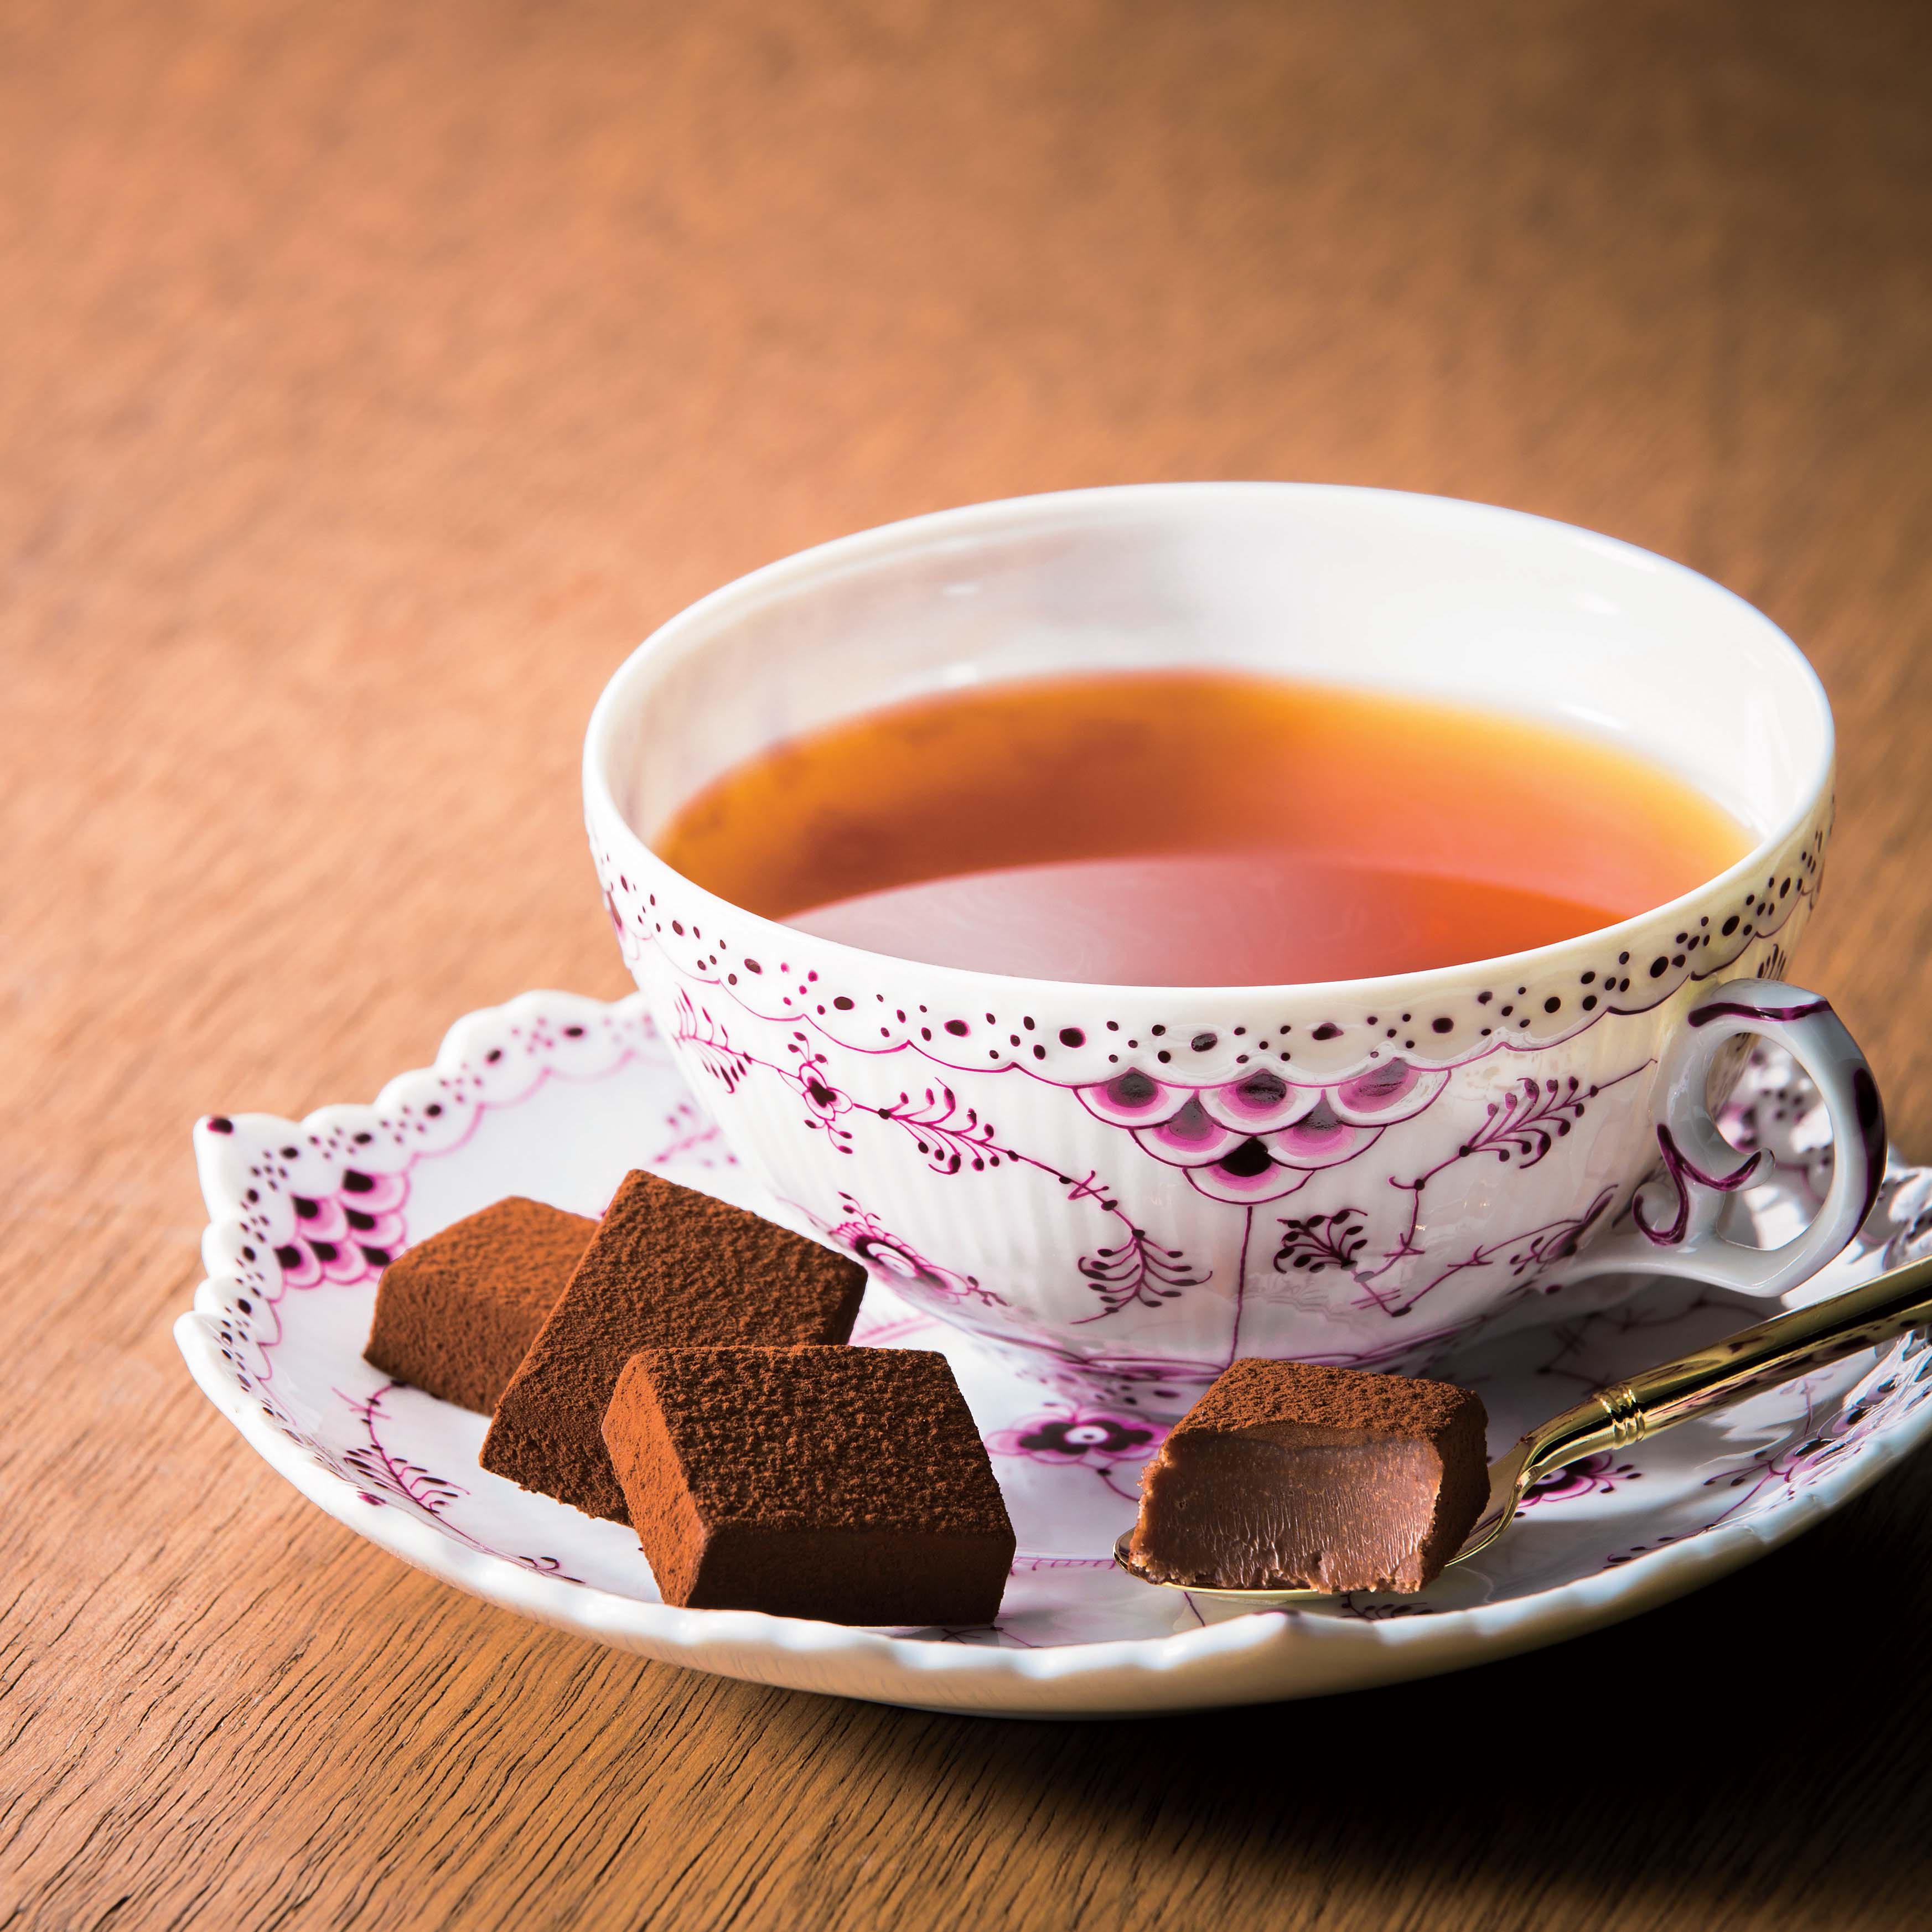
{"x": 1659, "y": 1399}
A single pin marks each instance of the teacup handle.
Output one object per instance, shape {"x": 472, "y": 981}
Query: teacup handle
{"x": 1676, "y": 1216}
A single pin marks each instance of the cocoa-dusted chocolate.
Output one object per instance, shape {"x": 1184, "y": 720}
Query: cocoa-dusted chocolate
{"x": 668, "y": 1268}
{"x": 457, "y": 1313}
{"x": 1288, "y": 1475}
{"x": 846, "y": 1484}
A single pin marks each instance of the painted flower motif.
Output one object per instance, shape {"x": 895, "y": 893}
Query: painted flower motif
{"x": 1594, "y": 1475}
{"x": 896, "y": 1262}
{"x": 1089, "y": 1437}
{"x": 824, "y": 1099}
{"x": 1260, "y": 1137}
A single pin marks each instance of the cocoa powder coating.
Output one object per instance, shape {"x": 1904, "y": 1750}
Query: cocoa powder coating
{"x": 846, "y": 1484}
{"x": 456, "y": 1313}
{"x": 668, "y": 1268}
{"x": 1253, "y": 1392}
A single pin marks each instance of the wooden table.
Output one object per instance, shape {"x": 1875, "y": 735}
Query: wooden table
{"x": 372, "y": 377}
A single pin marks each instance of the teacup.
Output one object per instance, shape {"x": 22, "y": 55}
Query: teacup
{"x": 1124, "y": 1188}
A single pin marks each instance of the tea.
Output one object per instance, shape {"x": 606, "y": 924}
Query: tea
{"x": 1196, "y": 828}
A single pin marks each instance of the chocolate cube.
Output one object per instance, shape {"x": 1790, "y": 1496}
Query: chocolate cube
{"x": 668, "y": 1268}
{"x": 846, "y": 1484}
{"x": 1285, "y": 1475}
{"x": 456, "y": 1313}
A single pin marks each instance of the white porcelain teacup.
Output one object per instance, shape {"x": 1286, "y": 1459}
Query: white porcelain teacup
{"x": 1127, "y": 1187}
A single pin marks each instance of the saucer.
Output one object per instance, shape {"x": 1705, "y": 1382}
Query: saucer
{"x": 556, "y": 1097}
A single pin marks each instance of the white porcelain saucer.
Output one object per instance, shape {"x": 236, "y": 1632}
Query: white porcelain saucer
{"x": 556, "y": 1097}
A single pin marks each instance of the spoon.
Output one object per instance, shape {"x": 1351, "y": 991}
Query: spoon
{"x": 1623, "y": 1413}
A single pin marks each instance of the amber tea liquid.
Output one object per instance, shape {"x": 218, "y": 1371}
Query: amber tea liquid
{"x": 1196, "y": 828}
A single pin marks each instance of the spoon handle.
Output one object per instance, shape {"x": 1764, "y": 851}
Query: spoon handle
{"x": 1773, "y": 1351}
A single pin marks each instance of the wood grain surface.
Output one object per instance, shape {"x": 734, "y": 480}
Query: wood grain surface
{"x": 373, "y": 376}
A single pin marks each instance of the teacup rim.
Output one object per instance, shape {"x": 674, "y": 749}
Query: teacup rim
{"x": 758, "y": 586}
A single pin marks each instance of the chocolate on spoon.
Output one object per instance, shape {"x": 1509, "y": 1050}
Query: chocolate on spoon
{"x": 1288, "y": 1475}
{"x": 1382, "y": 1507}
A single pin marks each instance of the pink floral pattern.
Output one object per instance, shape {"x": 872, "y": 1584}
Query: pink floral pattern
{"x": 1594, "y": 1476}
{"x": 1240, "y": 1143}
{"x": 1088, "y": 1438}
{"x": 386, "y": 1478}
{"x": 894, "y": 1261}
{"x": 1830, "y": 1434}
{"x": 1263, "y": 1135}
{"x": 1134, "y": 1269}
{"x": 351, "y": 1234}
{"x": 1103, "y": 1445}
{"x": 1131, "y": 1269}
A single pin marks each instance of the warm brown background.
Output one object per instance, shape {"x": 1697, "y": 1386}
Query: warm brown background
{"x": 372, "y": 376}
